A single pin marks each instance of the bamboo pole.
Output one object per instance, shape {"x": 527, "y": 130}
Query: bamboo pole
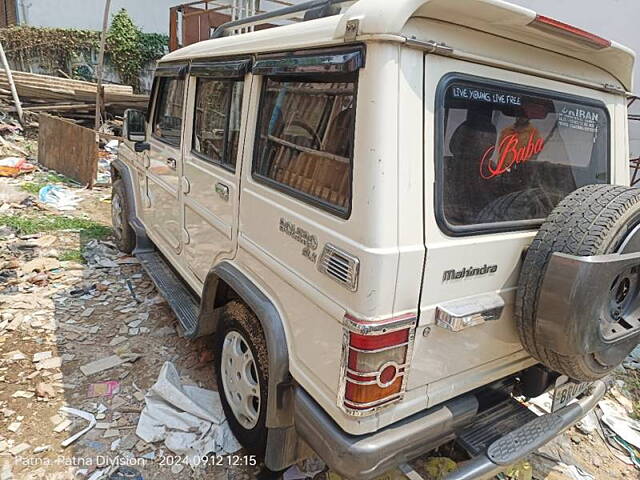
{"x": 103, "y": 39}
{"x": 12, "y": 85}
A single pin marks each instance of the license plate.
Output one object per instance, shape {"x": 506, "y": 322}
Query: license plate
{"x": 565, "y": 391}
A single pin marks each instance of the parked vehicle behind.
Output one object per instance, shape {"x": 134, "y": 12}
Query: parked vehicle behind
{"x": 399, "y": 219}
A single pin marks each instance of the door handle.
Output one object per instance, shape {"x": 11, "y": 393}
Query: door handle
{"x": 223, "y": 191}
{"x": 172, "y": 163}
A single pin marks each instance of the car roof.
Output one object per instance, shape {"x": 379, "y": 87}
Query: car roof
{"x": 385, "y": 17}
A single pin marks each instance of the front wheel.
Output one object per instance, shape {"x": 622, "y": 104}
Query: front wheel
{"x": 241, "y": 363}
{"x": 124, "y": 235}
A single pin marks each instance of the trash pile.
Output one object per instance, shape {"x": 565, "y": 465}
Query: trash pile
{"x": 107, "y": 154}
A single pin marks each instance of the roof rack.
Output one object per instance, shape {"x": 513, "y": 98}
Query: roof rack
{"x": 314, "y": 9}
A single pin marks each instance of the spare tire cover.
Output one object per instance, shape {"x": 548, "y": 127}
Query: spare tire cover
{"x": 593, "y": 220}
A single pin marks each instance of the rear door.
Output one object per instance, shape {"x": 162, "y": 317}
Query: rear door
{"x": 507, "y": 147}
{"x": 212, "y": 164}
{"x": 163, "y": 218}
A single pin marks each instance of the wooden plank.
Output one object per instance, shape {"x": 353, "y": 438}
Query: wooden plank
{"x": 68, "y": 148}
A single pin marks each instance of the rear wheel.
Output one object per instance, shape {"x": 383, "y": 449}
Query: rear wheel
{"x": 242, "y": 374}
{"x": 593, "y": 220}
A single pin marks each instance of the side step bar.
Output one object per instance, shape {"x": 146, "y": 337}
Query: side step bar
{"x": 527, "y": 439}
{"x": 182, "y": 301}
{"x": 365, "y": 457}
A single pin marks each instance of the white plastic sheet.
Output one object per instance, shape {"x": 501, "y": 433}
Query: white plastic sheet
{"x": 189, "y": 419}
{"x": 617, "y": 419}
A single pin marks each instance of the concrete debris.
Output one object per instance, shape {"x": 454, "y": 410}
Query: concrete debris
{"x": 45, "y": 390}
{"x": 107, "y": 363}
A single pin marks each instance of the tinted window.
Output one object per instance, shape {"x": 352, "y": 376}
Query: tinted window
{"x": 217, "y": 120}
{"x": 510, "y": 154}
{"x": 305, "y": 139}
{"x": 167, "y": 123}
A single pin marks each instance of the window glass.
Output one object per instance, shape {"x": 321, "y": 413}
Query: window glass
{"x": 512, "y": 155}
{"x": 305, "y": 138}
{"x": 168, "y": 116}
{"x": 218, "y": 111}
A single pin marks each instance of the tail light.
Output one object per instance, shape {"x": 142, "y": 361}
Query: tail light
{"x": 551, "y": 25}
{"x": 375, "y": 362}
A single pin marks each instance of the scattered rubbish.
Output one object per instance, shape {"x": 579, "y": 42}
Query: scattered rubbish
{"x": 308, "y": 468}
{"x": 177, "y": 468}
{"x": 588, "y": 424}
{"x": 126, "y": 473}
{"x": 98, "y": 474}
{"x": 58, "y": 197}
{"x": 22, "y": 394}
{"x": 108, "y": 362}
{"x": 15, "y": 356}
{"x": 14, "y": 427}
{"x": 14, "y": 166}
{"x": 189, "y": 419}
{"x": 571, "y": 472}
{"x": 103, "y": 389}
{"x": 38, "y": 357}
{"x": 438, "y": 467}
{"x": 45, "y": 390}
{"x": 100, "y": 254}
{"x": 49, "y": 363}
{"x": 82, "y": 414}
{"x": 62, "y": 426}
{"x": 616, "y": 419}
{"x": 18, "y": 449}
{"x": 79, "y": 292}
{"x": 41, "y": 449}
{"x": 42, "y": 264}
{"x": 520, "y": 471}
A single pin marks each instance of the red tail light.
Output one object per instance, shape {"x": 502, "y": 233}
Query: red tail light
{"x": 375, "y": 362}
{"x": 576, "y": 34}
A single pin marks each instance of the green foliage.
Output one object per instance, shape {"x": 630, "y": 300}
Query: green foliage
{"x": 28, "y": 225}
{"x": 62, "y": 49}
{"x": 123, "y": 41}
{"x": 58, "y": 47}
{"x": 72, "y": 256}
{"x": 130, "y": 49}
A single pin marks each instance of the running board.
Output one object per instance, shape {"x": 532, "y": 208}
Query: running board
{"x": 171, "y": 287}
{"x": 493, "y": 424}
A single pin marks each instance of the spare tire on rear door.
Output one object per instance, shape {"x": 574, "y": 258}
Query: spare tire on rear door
{"x": 594, "y": 220}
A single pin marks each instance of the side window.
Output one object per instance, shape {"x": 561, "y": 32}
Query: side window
{"x": 167, "y": 122}
{"x": 305, "y": 138}
{"x": 216, "y": 130}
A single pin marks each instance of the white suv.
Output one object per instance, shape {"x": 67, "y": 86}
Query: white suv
{"x": 397, "y": 218}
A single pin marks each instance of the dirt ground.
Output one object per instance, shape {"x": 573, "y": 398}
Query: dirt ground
{"x": 67, "y": 312}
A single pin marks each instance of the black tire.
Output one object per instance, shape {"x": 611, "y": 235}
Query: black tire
{"x": 593, "y": 220}
{"x": 521, "y": 205}
{"x": 125, "y": 238}
{"x": 238, "y": 318}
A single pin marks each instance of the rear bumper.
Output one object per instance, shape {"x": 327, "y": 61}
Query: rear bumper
{"x": 366, "y": 456}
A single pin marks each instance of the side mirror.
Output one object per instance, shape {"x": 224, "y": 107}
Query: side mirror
{"x": 140, "y": 147}
{"x": 135, "y": 125}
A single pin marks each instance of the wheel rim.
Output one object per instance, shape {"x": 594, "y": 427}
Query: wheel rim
{"x": 116, "y": 215}
{"x": 240, "y": 379}
{"x": 624, "y": 305}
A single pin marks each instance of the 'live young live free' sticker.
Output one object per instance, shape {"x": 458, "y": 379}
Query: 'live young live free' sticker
{"x": 487, "y": 96}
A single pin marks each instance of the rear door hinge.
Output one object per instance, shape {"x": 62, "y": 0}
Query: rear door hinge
{"x": 431, "y": 46}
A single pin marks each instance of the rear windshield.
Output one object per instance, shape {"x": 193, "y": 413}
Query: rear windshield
{"x": 508, "y": 154}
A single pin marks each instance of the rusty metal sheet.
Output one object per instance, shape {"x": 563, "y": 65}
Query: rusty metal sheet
{"x": 68, "y": 148}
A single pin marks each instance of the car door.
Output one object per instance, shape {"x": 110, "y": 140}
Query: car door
{"x": 211, "y": 167}
{"x": 163, "y": 219}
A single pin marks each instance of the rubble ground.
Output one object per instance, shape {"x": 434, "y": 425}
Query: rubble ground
{"x": 68, "y": 298}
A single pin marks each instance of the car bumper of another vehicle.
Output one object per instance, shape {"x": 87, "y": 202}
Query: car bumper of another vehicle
{"x": 366, "y": 456}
